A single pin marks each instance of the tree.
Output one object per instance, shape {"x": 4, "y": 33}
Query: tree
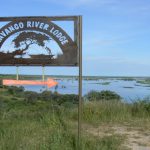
{"x": 26, "y": 39}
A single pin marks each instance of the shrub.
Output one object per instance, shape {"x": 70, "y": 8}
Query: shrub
{"x": 15, "y": 90}
{"x": 1, "y": 84}
{"x": 58, "y": 98}
{"x": 67, "y": 98}
{"x": 14, "y": 98}
{"x": 31, "y": 97}
{"x": 92, "y": 95}
{"x": 46, "y": 95}
{"x": 141, "y": 106}
{"x": 102, "y": 95}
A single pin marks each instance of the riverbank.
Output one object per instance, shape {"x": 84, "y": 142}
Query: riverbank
{"x": 32, "y": 121}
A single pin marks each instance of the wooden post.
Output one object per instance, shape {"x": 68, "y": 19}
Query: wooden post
{"x": 17, "y": 73}
{"x": 43, "y": 73}
{"x": 80, "y": 83}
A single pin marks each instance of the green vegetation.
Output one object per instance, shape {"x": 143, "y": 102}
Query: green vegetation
{"x": 128, "y": 87}
{"x": 87, "y": 78}
{"x": 48, "y": 121}
{"x": 144, "y": 81}
{"x": 103, "y": 95}
{"x": 127, "y": 78}
{"x": 105, "y": 83}
{"x": 102, "y": 83}
{"x": 116, "y": 112}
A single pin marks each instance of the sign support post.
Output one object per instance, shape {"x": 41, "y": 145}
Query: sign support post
{"x": 17, "y": 73}
{"x": 43, "y": 73}
{"x": 80, "y": 83}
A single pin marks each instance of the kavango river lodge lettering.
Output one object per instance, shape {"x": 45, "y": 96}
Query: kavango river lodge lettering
{"x": 32, "y": 43}
{"x": 35, "y": 25}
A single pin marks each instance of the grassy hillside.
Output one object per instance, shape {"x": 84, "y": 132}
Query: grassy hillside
{"x": 48, "y": 121}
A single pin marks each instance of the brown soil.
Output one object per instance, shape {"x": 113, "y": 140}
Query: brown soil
{"x": 137, "y": 138}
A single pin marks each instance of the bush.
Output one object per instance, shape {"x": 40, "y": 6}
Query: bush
{"x": 15, "y": 90}
{"x": 31, "y": 97}
{"x": 67, "y": 98}
{"x": 103, "y": 95}
{"x": 141, "y": 106}
{"x": 46, "y": 95}
{"x": 58, "y": 98}
{"x": 1, "y": 84}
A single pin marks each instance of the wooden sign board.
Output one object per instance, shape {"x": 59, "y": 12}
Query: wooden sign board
{"x": 26, "y": 41}
{"x": 29, "y": 41}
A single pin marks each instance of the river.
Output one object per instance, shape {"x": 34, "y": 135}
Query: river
{"x": 129, "y": 90}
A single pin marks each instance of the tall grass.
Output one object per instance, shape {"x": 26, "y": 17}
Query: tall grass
{"x": 37, "y": 129}
{"x": 115, "y": 112}
{"x": 42, "y": 126}
{"x": 47, "y": 125}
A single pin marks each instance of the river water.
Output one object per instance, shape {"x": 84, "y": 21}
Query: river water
{"x": 128, "y": 90}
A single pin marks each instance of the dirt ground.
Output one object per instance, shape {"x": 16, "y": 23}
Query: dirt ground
{"x": 136, "y": 138}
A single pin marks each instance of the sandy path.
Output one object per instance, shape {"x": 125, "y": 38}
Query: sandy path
{"x": 136, "y": 138}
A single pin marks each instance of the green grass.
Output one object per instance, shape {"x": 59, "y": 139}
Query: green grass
{"x": 115, "y": 112}
{"x": 102, "y": 83}
{"x": 105, "y": 83}
{"x": 47, "y": 125}
{"x": 39, "y": 127}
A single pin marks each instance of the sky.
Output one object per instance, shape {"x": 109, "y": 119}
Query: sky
{"x": 115, "y": 34}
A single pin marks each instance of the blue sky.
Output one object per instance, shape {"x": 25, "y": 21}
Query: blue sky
{"x": 115, "y": 34}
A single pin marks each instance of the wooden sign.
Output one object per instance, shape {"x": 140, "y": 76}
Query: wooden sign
{"x": 27, "y": 41}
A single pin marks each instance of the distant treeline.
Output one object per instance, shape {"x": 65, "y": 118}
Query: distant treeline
{"x": 128, "y": 78}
